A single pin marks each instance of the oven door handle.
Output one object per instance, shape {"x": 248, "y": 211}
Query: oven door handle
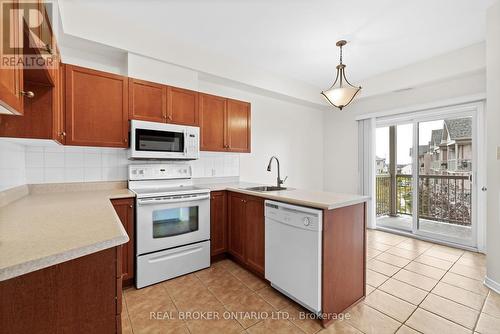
{"x": 141, "y": 202}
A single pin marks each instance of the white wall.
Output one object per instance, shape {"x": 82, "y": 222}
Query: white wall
{"x": 12, "y": 165}
{"x": 493, "y": 162}
{"x": 155, "y": 70}
{"x": 341, "y": 131}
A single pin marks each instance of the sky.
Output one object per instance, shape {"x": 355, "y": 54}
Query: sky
{"x": 404, "y": 139}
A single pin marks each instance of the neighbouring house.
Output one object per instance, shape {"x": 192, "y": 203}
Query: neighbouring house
{"x": 451, "y": 147}
{"x": 381, "y": 166}
{"x": 424, "y": 158}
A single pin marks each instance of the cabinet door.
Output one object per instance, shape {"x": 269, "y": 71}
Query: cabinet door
{"x": 237, "y": 217}
{"x": 212, "y": 122}
{"x": 147, "y": 101}
{"x": 37, "y": 119}
{"x": 218, "y": 223}
{"x": 58, "y": 131}
{"x": 125, "y": 210}
{"x": 96, "y": 108}
{"x": 254, "y": 243}
{"x": 11, "y": 78}
{"x": 238, "y": 126}
{"x": 182, "y": 106}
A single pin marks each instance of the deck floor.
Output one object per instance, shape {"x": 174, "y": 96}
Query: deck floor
{"x": 404, "y": 223}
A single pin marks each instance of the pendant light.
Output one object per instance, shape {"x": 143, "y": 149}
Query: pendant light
{"x": 342, "y": 92}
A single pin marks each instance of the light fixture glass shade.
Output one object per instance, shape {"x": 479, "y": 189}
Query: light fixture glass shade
{"x": 340, "y": 96}
{"x": 342, "y": 92}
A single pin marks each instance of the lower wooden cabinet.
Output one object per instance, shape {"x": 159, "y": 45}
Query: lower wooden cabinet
{"x": 254, "y": 233}
{"x": 218, "y": 223}
{"x": 77, "y": 296}
{"x": 246, "y": 230}
{"x": 125, "y": 209}
{"x": 236, "y": 227}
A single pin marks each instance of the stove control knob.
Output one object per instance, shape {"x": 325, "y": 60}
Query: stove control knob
{"x": 307, "y": 221}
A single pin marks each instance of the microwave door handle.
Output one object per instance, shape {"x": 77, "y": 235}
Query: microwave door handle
{"x": 185, "y": 142}
{"x": 142, "y": 202}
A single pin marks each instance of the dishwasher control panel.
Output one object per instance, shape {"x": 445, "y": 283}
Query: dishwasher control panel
{"x": 297, "y": 216}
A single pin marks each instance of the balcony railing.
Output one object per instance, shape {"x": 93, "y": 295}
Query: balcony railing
{"x": 444, "y": 198}
{"x": 460, "y": 165}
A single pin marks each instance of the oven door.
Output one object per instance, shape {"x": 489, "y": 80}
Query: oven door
{"x": 171, "y": 221}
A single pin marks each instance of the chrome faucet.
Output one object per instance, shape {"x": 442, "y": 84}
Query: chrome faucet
{"x": 279, "y": 181}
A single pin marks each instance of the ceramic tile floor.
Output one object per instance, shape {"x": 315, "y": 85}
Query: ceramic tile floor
{"x": 412, "y": 286}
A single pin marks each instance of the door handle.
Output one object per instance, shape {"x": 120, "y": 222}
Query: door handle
{"x": 172, "y": 200}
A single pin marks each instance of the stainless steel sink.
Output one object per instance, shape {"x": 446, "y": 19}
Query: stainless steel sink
{"x": 266, "y": 188}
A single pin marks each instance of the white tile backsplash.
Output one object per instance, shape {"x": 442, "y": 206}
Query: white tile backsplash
{"x": 91, "y": 164}
{"x": 12, "y": 165}
{"x": 75, "y": 164}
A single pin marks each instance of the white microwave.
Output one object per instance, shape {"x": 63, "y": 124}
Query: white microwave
{"x": 152, "y": 140}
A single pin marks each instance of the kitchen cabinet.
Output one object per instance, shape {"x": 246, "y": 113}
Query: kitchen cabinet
{"x": 218, "y": 223}
{"x": 246, "y": 230}
{"x": 224, "y": 124}
{"x": 147, "y": 101}
{"x": 43, "y": 113}
{"x": 11, "y": 78}
{"x": 236, "y": 228}
{"x": 212, "y": 123}
{"x": 238, "y": 126}
{"x": 82, "y": 295}
{"x": 182, "y": 106}
{"x": 96, "y": 105}
{"x": 254, "y": 234}
{"x": 125, "y": 211}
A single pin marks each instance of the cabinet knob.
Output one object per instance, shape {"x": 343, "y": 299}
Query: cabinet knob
{"x": 29, "y": 94}
{"x": 63, "y": 134}
{"x": 131, "y": 206}
{"x": 125, "y": 140}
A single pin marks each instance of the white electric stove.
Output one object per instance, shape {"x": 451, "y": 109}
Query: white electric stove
{"x": 173, "y": 222}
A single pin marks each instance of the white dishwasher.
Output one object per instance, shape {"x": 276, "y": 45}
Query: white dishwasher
{"x": 293, "y": 237}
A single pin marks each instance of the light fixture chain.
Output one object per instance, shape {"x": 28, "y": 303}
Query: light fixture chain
{"x": 341, "y": 55}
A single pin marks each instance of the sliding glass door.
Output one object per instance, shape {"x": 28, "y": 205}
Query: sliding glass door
{"x": 445, "y": 187}
{"x": 424, "y": 176}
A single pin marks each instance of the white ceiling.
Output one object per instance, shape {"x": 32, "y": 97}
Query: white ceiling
{"x": 296, "y": 39}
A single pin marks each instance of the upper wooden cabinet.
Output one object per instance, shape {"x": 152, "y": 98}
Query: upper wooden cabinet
{"x": 147, "y": 101}
{"x": 238, "y": 126}
{"x": 11, "y": 78}
{"x": 43, "y": 113}
{"x": 212, "y": 123}
{"x": 96, "y": 108}
{"x": 224, "y": 124}
{"x": 182, "y": 106}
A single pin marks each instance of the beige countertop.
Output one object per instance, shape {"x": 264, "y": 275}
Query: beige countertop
{"x": 315, "y": 199}
{"x": 43, "y": 229}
